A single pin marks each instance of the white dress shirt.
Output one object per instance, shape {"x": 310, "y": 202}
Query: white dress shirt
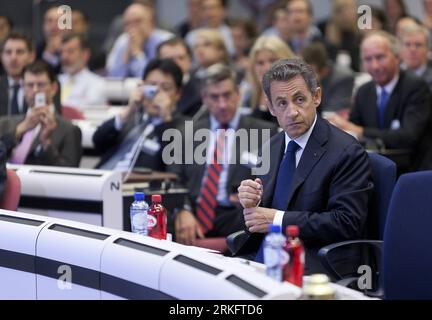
{"x": 88, "y": 89}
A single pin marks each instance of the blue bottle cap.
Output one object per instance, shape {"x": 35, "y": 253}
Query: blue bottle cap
{"x": 273, "y": 228}
{"x": 139, "y": 196}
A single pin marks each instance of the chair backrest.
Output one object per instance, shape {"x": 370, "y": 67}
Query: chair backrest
{"x": 12, "y": 191}
{"x": 72, "y": 113}
{"x": 384, "y": 178}
{"x": 407, "y": 254}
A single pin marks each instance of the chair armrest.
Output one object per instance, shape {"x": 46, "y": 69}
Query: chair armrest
{"x": 236, "y": 240}
{"x": 324, "y": 252}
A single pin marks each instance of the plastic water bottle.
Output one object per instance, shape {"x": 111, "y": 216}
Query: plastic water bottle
{"x": 138, "y": 214}
{"x": 274, "y": 255}
{"x": 157, "y": 218}
{"x": 293, "y": 270}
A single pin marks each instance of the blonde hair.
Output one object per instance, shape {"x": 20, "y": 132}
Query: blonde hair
{"x": 214, "y": 37}
{"x": 265, "y": 43}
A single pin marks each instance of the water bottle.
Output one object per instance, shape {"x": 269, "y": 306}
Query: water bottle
{"x": 157, "y": 218}
{"x": 138, "y": 214}
{"x": 274, "y": 255}
{"x": 293, "y": 270}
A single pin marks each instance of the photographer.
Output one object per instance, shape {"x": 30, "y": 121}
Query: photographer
{"x": 134, "y": 138}
{"x": 41, "y": 137}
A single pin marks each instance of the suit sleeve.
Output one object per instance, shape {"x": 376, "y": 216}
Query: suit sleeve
{"x": 66, "y": 155}
{"x": 413, "y": 121}
{"x": 105, "y": 136}
{"x": 347, "y": 205}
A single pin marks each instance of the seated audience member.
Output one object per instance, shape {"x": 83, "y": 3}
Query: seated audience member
{"x": 80, "y": 86}
{"x": 208, "y": 49}
{"x": 414, "y": 52}
{"x": 178, "y": 50}
{"x": 279, "y": 25}
{"x": 81, "y": 25}
{"x": 319, "y": 177}
{"x": 265, "y": 51}
{"x": 194, "y": 18}
{"x": 137, "y": 132}
{"x": 394, "y": 108}
{"x": 341, "y": 31}
{"x": 336, "y": 81}
{"x": 16, "y": 53}
{"x": 41, "y": 137}
{"x": 137, "y": 45}
{"x": 49, "y": 48}
{"x": 395, "y": 10}
{"x": 210, "y": 209}
{"x": 302, "y": 31}
{"x": 213, "y": 17}
{"x": 244, "y": 33}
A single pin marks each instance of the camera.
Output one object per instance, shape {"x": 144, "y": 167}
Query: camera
{"x": 150, "y": 91}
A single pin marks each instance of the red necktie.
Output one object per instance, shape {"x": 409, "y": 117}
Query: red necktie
{"x": 207, "y": 200}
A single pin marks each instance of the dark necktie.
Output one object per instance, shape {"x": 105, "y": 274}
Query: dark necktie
{"x": 207, "y": 200}
{"x": 14, "y": 100}
{"x": 283, "y": 186}
{"x": 285, "y": 177}
{"x": 382, "y": 107}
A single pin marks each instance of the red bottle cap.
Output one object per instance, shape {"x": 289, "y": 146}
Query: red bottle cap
{"x": 156, "y": 198}
{"x": 292, "y": 231}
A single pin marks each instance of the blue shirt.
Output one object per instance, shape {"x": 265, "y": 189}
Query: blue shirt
{"x": 135, "y": 66}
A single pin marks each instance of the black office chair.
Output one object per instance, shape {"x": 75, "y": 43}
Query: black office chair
{"x": 384, "y": 178}
{"x": 404, "y": 255}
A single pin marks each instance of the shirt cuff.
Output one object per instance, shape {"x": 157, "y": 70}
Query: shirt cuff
{"x": 118, "y": 125}
{"x": 278, "y": 218}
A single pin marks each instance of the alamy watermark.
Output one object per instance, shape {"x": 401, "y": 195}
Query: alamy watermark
{"x": 194, "y": 147}
{"x": 65, "y": 20}
{"x": 364, "y": 22}
{"x": 64, "y": 282}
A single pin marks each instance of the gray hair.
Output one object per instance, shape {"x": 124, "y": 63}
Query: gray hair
{"x": 287, "y": 69}
{"x": 410, "y": 30}
{"x": 393, "y": 42}
{"x": 217, "y": 73}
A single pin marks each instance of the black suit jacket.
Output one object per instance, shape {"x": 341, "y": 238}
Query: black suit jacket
{"x": 107, "y": 139}
{"x": 4, "y": 98}
{"x": 65, "y": 149}
{"x": 410, "y": 106}
{"x": 330, "y": 192}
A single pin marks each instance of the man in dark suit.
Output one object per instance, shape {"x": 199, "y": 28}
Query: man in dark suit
{"x": 415, "y": 51}
{"x": 394, "y": 108}
{"x": 212, "y": 209}
{"x": 319, "y": 176}
{"x": 16, "y": 53}
{"x": 134, "y": 138}
{"x": 178, "y": 50}
{"x": 41, "y": 136}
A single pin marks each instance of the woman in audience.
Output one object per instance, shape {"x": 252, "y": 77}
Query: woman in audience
{"x": 208, "y": 49}
{"x": 265, "y": 51}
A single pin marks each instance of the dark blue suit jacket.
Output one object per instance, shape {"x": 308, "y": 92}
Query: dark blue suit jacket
{"x": 330, "y": 194}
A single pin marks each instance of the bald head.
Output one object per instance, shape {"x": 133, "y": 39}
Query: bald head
{"x": 139, "y": 18}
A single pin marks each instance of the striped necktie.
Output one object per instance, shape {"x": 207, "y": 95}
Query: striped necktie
{"x": 207, "y": 200}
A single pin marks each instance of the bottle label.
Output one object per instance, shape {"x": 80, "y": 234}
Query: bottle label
{"x": 139, "y": 221}
{"x": 151, "y": 221}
